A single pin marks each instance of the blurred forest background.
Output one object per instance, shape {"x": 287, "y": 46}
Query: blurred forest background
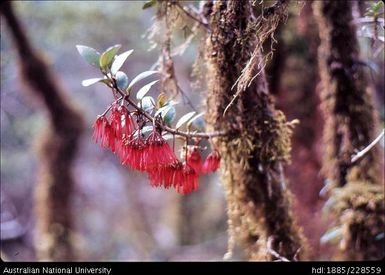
{"x": 117, "y": 214}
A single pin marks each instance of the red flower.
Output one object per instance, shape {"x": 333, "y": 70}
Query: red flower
{"x": 122, "y": 149}
{"x": 194, "y": 159}
{"x": 108, "y": 139}
{"x": 121, "y": 122}
{"x": 128, "y": 126}
{"x": 99, "y": 128}
{"x": 135, "y": 153}
{"x": 166, "y": 176}
{"x": 159, "y": 153}
{"x": 181, "y": 176}
{"x": 211, "y": 163}
{"x": 189, "y": 180}
{"x": 104, "y": 133}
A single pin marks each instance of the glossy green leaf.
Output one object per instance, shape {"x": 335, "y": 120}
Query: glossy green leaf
{"x": 121, "y": 80}
{"x": 147, "y": 104}
{"x": 143, "y": 131}
{"x": 332, "y": 235}
{"x": 141, "y": 76}
{"x": 197, "y": 122}
{"x": 144, "y": 90}
{"x": 149, "y": 4}
{"x": 169, "y": 116}
{"x": 184, "y": 119}
{"x": 167, "y": 113}
{"x": 167, "y": 136}
{"x": 376, "y": 7}
{"x": 147, "y": 128}
{"x": 108, "y": 55}
{"x": 119, "y": 61}
{"x": 161, "y": 110}
{"x": 89, "y": 54}
{"x": 379, "y": 237}
{"x": 161, "y": 100}
{"x": 91, "y": 81}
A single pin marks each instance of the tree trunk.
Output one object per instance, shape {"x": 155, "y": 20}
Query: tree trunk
{"x": 57, "y": 149}
{"x": 350, "y": 124}
{"x": 296, "y": 55}
{"x": 258, "y": 144}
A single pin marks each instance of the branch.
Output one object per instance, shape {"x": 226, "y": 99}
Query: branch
{"x": 165, "y": 127}
{"x": 367, "y": 148}
{"x": 192, "y": 16}
{"x": 273, "y": 252}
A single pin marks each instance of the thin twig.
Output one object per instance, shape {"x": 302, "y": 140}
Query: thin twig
{"x": 273, "y": 252}
{"x": 192, "y": 16}
{"x": 165, "y": 127}
{"x": 186, "y": 99}
{"x": 367, "y": 148}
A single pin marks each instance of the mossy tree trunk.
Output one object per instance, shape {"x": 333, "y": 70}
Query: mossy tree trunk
{"x": 350, "y": 124}
{"x": 259, "y": 206}
{"x": 57, "y": 149}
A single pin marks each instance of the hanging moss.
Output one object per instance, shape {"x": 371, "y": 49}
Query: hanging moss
{"x": 360, "y": 207}
{"x": 258, "y": 200}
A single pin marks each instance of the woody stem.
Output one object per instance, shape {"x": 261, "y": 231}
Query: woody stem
{"x": 165, "y": 127}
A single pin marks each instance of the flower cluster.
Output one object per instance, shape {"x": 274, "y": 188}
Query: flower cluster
{"x": 152, "y": 154}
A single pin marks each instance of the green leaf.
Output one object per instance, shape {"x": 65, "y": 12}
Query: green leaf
{"x": 144, "y": 90}
{"x": 184, "y": 119}
{"x": 108, "y": 56}
{"x": 147, "y": 128}
{"x": 140, "y": 77}
{"x": 89, "y": 54}
{"x": 197, "y": 121}
{"x": 147, "y": 104}
{"x": 167, "y": 113}
{"x": 169, "y": 116}
{"x": 91, "y": 81}
{"x": 377, "y": 7}
{"x": 161, "y": 100}
{"x": 121, "y": 80}
{"x": 167, "y": 136}
{"x": 379, "y": 237}
{"x": 161, "y": 110}
{"x": 149, "y": 4}
{"x": 332, "y": 235}
{"x": 143, "y": 131}
{"x": 119, "y": 61}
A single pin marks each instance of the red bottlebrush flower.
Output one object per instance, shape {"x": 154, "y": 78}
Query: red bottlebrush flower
{"x": 211, "y": 163}
{"x": 104, "y": 133}
{"x": 128, "y": 126}
{"x": 135, "y": 152}
{"x": 194, "y": 159}
{"x": 108, "y": 139}
{"x": 181, "y": 176}
{"x": 122, "y": 149}
{"x": 99, "y": 125}
{"x": 159, "y": 153}
{"x": 121, "y": 122}
{"x": 166, "y": 176}
{"x": 189, "y": 180}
